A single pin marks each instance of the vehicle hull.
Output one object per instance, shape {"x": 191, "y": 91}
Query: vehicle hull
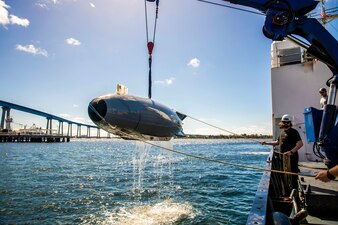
{"x": 133, "y": 117}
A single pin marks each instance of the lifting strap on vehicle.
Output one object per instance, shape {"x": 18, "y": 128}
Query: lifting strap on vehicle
{"x": 150, "y": 44}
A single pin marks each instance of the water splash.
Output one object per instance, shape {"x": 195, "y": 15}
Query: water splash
{"x": 160, "y": 160}
{"x": 139, "y": 162}
{"x": 163, "y": 167}
{"x": 166, "y": 212}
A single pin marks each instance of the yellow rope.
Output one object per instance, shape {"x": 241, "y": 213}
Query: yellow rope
{"x": 223, "y": 162}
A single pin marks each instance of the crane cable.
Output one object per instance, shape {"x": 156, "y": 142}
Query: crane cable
{"x": 150, "y": 44}
{"x": 231, "y": 7}
{"x": 197, "y": 156}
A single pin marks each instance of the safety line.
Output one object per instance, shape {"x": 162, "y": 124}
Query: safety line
{"x": 227, "y": 163}
{"x": 280, "y": 153}
{"x": 201, "y": 157}
{"x": 223, "y": 162}
{"x": 211, "y": 125}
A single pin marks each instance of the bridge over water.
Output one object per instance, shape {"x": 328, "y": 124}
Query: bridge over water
{"x": 6, "y": 120}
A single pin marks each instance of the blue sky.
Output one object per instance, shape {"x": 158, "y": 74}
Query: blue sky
{"x": 209, "y": 62}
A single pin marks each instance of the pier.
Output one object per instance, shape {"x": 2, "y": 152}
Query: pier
{"x": 33, "y": 138}
{"x": 35, "y": 134}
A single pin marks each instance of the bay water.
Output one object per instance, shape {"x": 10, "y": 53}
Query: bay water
{"x": 114, "y": 181}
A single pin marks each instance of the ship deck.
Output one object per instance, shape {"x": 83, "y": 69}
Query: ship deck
{"x": 321, "y": 198}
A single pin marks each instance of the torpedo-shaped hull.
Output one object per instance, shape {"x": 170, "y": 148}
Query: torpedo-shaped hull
{"x": 133, "y": 117}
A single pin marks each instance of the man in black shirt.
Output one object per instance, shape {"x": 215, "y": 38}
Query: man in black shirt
{"x": 289, "y": 142}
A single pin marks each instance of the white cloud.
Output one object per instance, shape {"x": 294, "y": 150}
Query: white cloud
{"x": 4, "y": 20}
{"x": 92, "y": 4}
{"x": 19, "y": 21}
{"x": 75, "y": 106}
{"x": 195, "y": 62}
{"x": 169, "y": 81}
{"x": 42, "y": 5}
{"x": 32, "y": 50}
{"x": 73, "y": 41}
{"x": 46, "y": 4}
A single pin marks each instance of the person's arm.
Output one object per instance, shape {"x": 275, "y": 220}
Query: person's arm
{"x": 328, "y": 175}
{"x": 273, "y": 143}
{"x": 299, "y": 144}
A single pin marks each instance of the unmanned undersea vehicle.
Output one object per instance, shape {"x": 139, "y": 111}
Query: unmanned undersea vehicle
{"x": 132, "y": 117}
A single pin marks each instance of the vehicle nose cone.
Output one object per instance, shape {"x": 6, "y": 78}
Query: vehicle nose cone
{"x": 97, "y": 109}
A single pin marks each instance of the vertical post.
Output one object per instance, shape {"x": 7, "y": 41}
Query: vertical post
{"x": 62, "y": 128}
{"x": 8, "y": 119}
{"x": 78, "y": 131}
{"x": 2, "y": 125}
{"x": 59, "y": 128}
{"x": 47, "y": 127}
{"x": 50, "y": 126}
{"x": 98, "y": 133}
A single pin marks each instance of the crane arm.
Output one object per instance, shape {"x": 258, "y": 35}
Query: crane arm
{"x": 300, "y": 7}
{"x": 285, "y": 18}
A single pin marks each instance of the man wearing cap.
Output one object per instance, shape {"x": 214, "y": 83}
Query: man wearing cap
{"x": 323, "y": 99}
{"x": 289, "y": 142}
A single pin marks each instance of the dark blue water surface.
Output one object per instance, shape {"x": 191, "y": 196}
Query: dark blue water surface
{"x": 126, "y": 182}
